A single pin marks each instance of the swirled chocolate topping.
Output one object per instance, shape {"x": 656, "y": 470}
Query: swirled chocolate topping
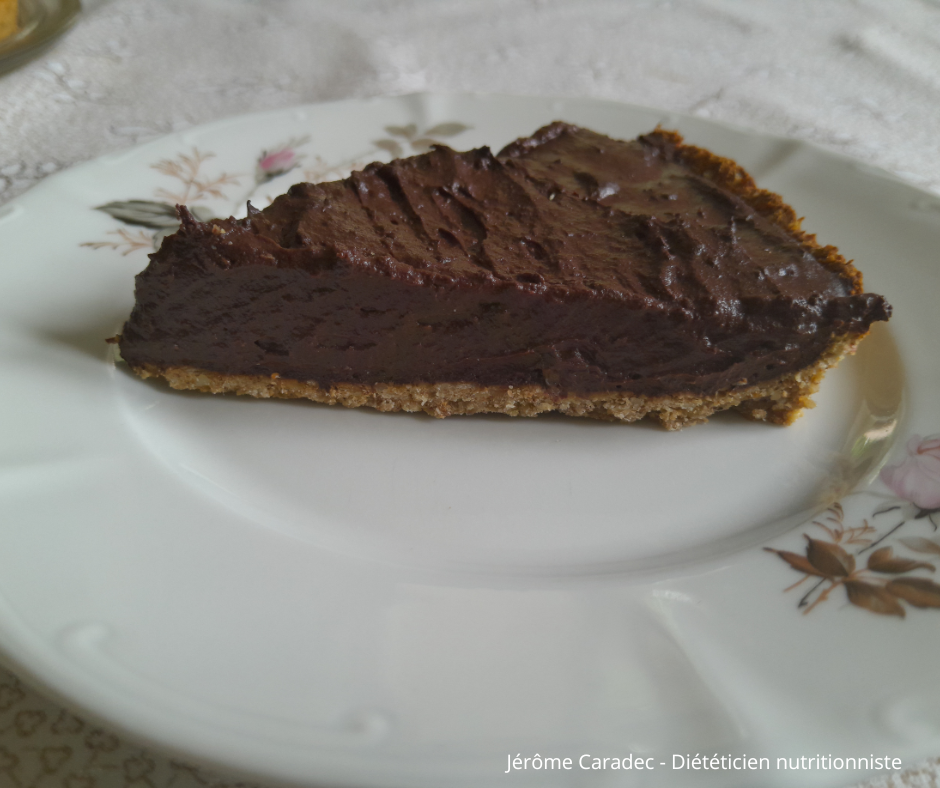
{"x": 570, "y": 261}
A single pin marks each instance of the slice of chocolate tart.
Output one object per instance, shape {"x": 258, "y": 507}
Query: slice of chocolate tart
{"x": 571, "y": 272}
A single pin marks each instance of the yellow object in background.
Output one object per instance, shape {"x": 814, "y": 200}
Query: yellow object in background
{"x": 7, "y": 18}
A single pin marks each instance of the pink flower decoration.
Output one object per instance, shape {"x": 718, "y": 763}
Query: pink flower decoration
{"x": 917, "y": 478}
{"x": 277, "y": 163}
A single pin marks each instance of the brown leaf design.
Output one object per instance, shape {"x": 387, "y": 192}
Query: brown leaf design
{"x": 797, "y": 561}
{"x": 424, "y": 144}
{"x": 408, "y": 132}
{"x": 877, "y": 599}
{"x": 859, "y": 535}
{"x": 834, "y": 515}
{"x": 446, "y": 129}
{"x": 883, "y": 560}
{"x": 390, "y": 145}
{"x": 916, "y": 591}
{"x": 921, "y": 545}
{"x": 830, "y": 559}
{"x": 185, "y": 168}
{"x": 130, "y": 242}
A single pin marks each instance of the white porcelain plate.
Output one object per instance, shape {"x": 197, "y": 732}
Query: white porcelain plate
{"x": 313, "y": 595}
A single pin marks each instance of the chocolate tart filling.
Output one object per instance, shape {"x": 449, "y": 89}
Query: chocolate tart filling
{"x": 570, "y": 264}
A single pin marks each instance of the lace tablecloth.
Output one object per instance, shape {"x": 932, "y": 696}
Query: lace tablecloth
{"x": 858, "y": 76}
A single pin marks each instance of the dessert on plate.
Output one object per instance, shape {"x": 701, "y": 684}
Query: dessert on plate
{"x": 570, "y": 272}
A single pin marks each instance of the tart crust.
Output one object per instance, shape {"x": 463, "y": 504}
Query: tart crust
{"x": 780, "y": 401}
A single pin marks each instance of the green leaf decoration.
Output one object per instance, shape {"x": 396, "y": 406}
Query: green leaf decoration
{"x": 142, "y": 213}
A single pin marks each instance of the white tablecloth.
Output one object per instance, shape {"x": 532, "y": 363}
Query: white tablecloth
{"x": 858, "y": 76}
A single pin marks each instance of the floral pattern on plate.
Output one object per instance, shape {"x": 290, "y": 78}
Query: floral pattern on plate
{"x": 886, "y": 582}
{"x": 158, "y": 218}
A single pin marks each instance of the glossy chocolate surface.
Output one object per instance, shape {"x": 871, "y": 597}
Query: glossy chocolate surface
{"x": 570, "y": 260}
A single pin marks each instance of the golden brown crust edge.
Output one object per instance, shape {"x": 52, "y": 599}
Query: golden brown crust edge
{"x": 730, "y": 175}
{"x": 780, "y": 401}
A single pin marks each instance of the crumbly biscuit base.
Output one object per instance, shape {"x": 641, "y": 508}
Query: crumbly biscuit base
{"x": 780, "y": 401}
